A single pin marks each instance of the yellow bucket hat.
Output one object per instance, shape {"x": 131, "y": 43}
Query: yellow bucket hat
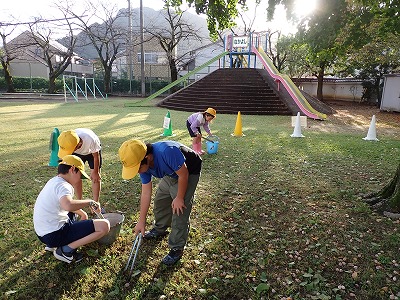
{"x": 75, "y": 161}
{"x": 131, "y": 153}
{"x": 211, "y": 111}
{"x": 68, "y": 140}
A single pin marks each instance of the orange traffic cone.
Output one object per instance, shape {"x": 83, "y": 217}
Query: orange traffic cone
{"x": 238, "y": 126}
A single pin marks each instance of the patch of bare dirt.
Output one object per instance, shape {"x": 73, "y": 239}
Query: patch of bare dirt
{"x": 353, "y": 117}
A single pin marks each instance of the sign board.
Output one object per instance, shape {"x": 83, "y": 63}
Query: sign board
{"x": 167, "y": 121}
{"x": 303, "y": 121}
{"x": 240, "y": 42}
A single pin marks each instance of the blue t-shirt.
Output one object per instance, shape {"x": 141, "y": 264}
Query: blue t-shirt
{"x": 167, "y": 158}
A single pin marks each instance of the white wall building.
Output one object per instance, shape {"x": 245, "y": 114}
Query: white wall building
{"x": 391, "y": 93}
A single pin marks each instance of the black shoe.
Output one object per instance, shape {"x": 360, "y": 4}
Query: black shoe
{"x": 154, "y": 234}
{"x": 172, "y": 257}
{"x": 68, "y": 257}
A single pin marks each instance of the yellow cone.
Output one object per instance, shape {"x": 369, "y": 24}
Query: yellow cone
{"x": 238, "y": 126}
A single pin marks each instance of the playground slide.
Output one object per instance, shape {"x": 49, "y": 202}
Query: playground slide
{"x": 183, "y": 78}
{"x": 291, "y": 88}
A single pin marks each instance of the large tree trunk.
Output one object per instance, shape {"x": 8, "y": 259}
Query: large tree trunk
{"x": 107, "y": 79}
{"x": 320, "y": 78}
{"x": 52, "y": 85}
{"x": 387, "y": 200}
{"x": 8, "y": 77}
{"x": 174, "y": 74}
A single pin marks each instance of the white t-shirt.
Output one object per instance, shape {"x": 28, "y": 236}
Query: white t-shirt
{"x": 48, "y": 216}
{"x": 90, "y": 141}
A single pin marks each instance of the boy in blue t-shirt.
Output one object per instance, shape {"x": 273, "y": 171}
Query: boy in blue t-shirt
{"x": 179, "y": 168}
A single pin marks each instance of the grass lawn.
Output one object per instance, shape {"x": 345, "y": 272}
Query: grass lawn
{"x": 275, "y": 217}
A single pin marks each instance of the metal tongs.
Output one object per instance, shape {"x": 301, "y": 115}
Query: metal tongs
{"x": 207, "y": 139}
{"x": 135, "y": 249}
{"x": 95, "y": 207}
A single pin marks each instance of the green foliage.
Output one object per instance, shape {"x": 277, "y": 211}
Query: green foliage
{"x": 119, "y": 86}
{"x": 220, "y": 14}
{"x": 23, "y": 84}
{"x": 387, "y": 12}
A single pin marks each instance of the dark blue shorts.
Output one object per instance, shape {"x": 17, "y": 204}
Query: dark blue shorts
{"x": 190, "y": 129}
{"x": 89, "y": 158}
{"x": 70, "y": 232}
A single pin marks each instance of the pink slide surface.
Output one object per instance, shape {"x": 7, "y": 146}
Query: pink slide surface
{"x": 291, "y": 88}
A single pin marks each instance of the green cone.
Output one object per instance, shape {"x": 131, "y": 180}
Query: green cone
{"x": 167, "y": 125}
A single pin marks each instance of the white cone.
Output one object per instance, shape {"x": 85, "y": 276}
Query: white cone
{"x": 371, "y": 135}
{"x": 297, "y": 127}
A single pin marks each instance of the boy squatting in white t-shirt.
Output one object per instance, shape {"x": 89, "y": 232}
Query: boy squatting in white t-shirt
{"x": 54, "y": 208}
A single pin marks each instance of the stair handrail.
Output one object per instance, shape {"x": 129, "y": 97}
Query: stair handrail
{"x": 184, "y": 77}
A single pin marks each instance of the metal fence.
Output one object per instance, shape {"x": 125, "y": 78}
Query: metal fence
{"x": 156, "y": 77}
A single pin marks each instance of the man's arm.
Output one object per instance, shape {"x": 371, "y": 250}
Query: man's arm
{"x": 145, "y": 199}
{"x": 178, "y": 204}
{"x": 68, "y": 204}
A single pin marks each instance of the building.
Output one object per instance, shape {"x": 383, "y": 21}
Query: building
{"x": 201, "y": 55}
{"x": 391, "y": 93}
{"x": 155, "y": 62}
{"x": 29, "y": 61}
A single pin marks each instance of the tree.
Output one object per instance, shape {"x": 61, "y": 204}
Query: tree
{"x": 7, "y": 54}
{"x": 388, "y": 12}
{"x": 296, "y": 64}
{"x": 57, "y": 59}
{"x": 321, "y": 31}
{"x": 278, "y": 51}
{"x": 109, "y": 37}
{"x": 248, "y": 23}
{"x": 371, "y": 51}
{"x": 220, "y": 14}
{"x": 387, "y": 200}
{"x": 169, "y": 37}
{"x": 374, "y": 60}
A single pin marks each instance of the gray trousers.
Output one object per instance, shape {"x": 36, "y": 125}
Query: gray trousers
{"x": 163, "y": 216}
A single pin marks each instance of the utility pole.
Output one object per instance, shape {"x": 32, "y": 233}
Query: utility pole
{"x": 142, "y": 77}
{"x": 129, "y": 48}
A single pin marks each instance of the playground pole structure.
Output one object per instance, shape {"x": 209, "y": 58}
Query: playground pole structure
{"x": 65, "y": 89}
{"x": 84, "y": 80}
{"x": 76, "y": 87}
{"x": 84, "y": 90}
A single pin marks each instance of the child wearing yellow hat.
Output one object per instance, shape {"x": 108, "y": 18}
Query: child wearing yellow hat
{"x": 197, "y": 120}
{"x": 55, "y": 208}
{"x": 178, "y": 168}
{"x": 85, "y": 144}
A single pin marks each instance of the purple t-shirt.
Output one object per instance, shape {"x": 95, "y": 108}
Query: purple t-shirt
{"x": 197, "y": 120}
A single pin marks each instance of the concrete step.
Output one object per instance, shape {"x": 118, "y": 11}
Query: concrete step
{"x": 32, "y": 96}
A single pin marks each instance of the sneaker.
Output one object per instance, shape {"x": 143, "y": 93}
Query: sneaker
{"x": 49, "y": 249}
{"x": 68, "y": 257}
{"x": 172, "y": 257}
{"x": 154, "y": 234}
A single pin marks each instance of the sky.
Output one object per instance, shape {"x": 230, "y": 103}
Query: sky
{"x": 23, "y": 11}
